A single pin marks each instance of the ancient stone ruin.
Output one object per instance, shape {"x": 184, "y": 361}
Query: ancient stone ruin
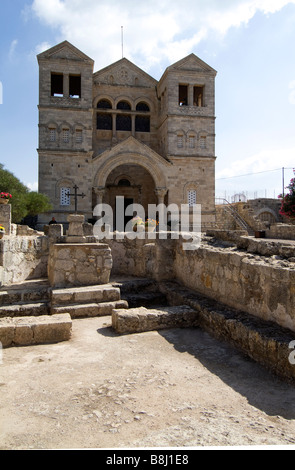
{"x": 237, "y": 287}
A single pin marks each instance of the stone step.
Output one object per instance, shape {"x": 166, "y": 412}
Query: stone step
{"x": 25, "y": 331}
{"x": 137, "y": 320}
{"x": 25, "y": 309}
{"x": 81, "y": 295}
{"x": 29, "y": 292}
{"x": 89, "y": 310}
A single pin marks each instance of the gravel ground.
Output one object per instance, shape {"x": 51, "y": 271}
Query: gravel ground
{"x": 173, "y": 388}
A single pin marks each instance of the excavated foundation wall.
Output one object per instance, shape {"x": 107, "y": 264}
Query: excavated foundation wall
{"x": 261, "y": 285}
{"x": 259, "y": 279}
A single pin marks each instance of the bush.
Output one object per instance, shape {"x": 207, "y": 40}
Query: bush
{"x": 288, "y": 203}
{"x": 23, "y": 202}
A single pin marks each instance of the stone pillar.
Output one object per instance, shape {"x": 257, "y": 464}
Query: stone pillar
{"x": 66, "y": 85}
{"x": 99, "y": 194}
{"x": 190, "y": 95}
{"x": 75, "y": 233}
{"x": 114, "y": 137}
{"x": 161, "y": 193}
{"x": 133, "y": 125}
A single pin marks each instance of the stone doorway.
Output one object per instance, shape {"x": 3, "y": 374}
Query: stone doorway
{"x": 132, "y": 182}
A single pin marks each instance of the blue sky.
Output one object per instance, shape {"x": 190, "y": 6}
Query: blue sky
{"x": 249, "y": 42}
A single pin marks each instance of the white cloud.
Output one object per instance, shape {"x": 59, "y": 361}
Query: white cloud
{"x": 12, "y": 48}
{"x": 154, "y": 32}
{"x": 32, "y": 186}
{"x": 266, "y": 160}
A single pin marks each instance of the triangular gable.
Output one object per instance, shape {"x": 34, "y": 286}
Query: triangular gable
{"x": 193, "y": 63}
{"x": 124, "y": 72}
{"x": 132, "y": 145}
{"x": 65, "y": 50}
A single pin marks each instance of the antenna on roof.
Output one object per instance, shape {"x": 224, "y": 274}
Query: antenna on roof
{"x": 122, "y": 41}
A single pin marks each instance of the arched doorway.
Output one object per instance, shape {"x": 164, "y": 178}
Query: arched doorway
{"x": 134, "y": 183}
{"x": 133, "y": 171}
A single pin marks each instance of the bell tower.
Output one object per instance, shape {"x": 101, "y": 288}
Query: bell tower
{"x": 187, "y": 132}
{"x": 65, "y": 128}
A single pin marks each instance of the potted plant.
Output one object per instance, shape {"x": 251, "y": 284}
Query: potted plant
{"x": 5, "y": 197}
{"x": 150, "y": 225}
{"x": 2, "y": 231}
{"x": 137, "y": 224}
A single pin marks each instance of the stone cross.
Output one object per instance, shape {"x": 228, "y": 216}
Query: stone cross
{"x": 76, "y": 195}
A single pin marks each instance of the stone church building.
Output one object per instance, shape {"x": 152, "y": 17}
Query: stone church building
{"x": 120, "y": 132}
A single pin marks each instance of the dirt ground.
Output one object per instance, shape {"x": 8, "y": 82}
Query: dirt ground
{"x": 172, "y": 388}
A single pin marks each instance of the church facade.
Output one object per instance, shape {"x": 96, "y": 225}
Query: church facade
{"x": 120, "y": 132}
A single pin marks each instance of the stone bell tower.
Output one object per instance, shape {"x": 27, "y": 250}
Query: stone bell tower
{"x": 187, "y": 132}
{"x": 65, "y": 129}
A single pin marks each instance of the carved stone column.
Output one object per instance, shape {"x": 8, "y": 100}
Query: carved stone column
{"x": 114, "y": 134}
{"x": 66, "y": 89}
{"x": 161, "y": 193}
{"x": 190, "y": 95}
{"x": 133, "y": 125}
{"x": 100, "y": 192}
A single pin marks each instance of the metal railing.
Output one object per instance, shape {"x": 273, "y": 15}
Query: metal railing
{"x": 234, "y": 213}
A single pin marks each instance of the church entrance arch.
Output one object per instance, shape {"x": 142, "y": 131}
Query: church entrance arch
{"x": 132, "y": 182}
{"x": 139, "y": 175}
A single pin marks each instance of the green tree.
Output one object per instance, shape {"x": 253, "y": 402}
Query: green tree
{"x": 288, "y": 203}
{"x": 36, "y": 203}
{"x": 24, "y": 202}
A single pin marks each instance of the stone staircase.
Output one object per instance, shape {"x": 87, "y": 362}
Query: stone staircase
{"x": 31, "y": 298}
{"x": 25, "y": 317}
{"x": 149, "y": 308}
{"x": 34, "y": 313}
{"x": 263, "y": 341}
{"x": 90, "y": 301}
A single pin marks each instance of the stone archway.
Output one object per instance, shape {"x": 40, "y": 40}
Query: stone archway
{"x": 142, "y": 171}
{"x": 134, "y": 183}
{"x": 130, "y": 152}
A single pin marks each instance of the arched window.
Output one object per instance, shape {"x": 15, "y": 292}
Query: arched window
{"x": 142, "y": 106}
{"x": 142, "y": 124}
{"x": 192, "y": 197}
{"x": 124, "y": 105}
{"x": 123, "y": 122}
{"x": 104, "y": 104}
{"x": 124, "y": 182}
{"x": 66, "y": 135}
{"x": 104, "y": 122}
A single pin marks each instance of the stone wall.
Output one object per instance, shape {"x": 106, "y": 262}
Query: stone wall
{"x": 23, "y": 258}
{"x": 262, "y": 285}
{"x": 259, "y": 285}
{"x": 281, "y": 231}
{"x": 79, "y": 264}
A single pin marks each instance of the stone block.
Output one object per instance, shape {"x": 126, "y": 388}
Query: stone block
{"x": 76, "y": 264}
{"x": 136, "y": 320}
{"x": 26, "y": 331}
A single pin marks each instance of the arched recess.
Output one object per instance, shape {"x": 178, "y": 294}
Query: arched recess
{"x": 106, "y": 166}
